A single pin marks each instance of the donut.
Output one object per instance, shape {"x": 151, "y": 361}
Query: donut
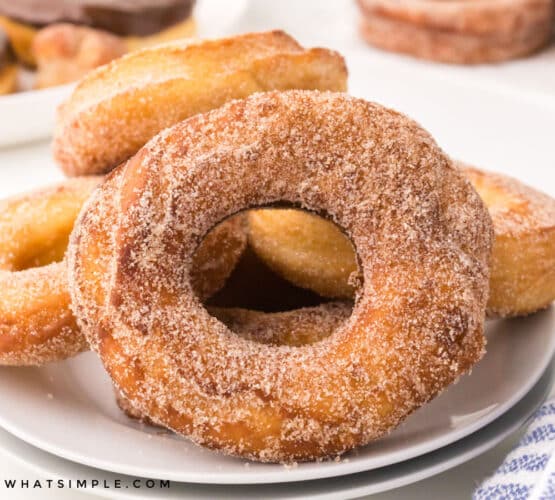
{"x": 297, "y": 327}
{"x": 313, "y": 253}
{"x": 523, "y": 261}
{"x": 136, "y": 23}
{"x": 458, "y": 31}
{"x": 116, "y": 109}
{"x": 36, "y": 323}
{"x": 423, "y": 238}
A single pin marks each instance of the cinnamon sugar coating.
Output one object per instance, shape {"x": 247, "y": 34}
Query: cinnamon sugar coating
{"x": 116, "y": 109}
{"x": 458, "y": 31}
{"x": 36, "y": 322}
{"x": 422, "y": 235}
{"x": 295, "y": 328}
{"x": 313, "y": 253}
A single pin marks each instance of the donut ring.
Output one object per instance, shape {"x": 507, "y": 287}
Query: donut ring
{"x": 458, "y": 31}
{"x": 410, "y": 335}
{"x": 523, "y": 260}
{"x": 36, "y": 323}
{"x": 105, "y": 122}
{"x": 294, "y": 328}
{"x": 314, "y": 254}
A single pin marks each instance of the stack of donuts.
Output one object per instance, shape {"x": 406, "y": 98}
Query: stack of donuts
{"x": 459, "y": 31}
{"x": 181, "y": 159}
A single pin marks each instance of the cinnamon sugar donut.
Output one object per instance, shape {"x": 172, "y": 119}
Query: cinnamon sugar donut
{"x": 294, "y": 328}
{"x": 421, "y": 233}
{"x": 313, "y": 253}
{"x": 458, "y": 31}
{"x": 116, "y": 109}
{"x": 523, "y": 262}
{"x": 36, "y": 324}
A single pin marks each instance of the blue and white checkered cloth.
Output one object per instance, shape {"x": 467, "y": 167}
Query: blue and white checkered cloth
{"x": 528, "y": 472}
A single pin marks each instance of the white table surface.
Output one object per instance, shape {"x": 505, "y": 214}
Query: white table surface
{"x": 332, "y": 24}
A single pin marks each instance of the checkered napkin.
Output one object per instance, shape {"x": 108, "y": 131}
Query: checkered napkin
{"x": 528, "y": 472}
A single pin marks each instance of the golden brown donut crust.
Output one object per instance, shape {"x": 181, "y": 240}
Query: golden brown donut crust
{"x": 36, "y": 323}
{"x": 523, "y": 259}
{"x": 416, "y": 326}
{"x": 314, "y": 254}
{"x": 458, "y": 31}
{"x": 116, "y": 109}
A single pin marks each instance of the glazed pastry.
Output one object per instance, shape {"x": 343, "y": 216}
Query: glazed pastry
{"x": 66, "y": 52}
{"x": 117, "y": 109}
{"x": 458, "y": 31}
{"x": 135, "y": 22}
{"x": 417, "y": 323}
{"x": 8, "y": 71}
{"x": 313, "y": 253}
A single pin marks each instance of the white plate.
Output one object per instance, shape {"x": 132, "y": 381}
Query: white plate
{"x": 352, "y": 486}
{"x": 29, "y": 116}
{"x": 68, "y": 409}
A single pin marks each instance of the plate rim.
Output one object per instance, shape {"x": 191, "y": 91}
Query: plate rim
{"x": 341, "y": 468}
{"x": 435, "y": 462}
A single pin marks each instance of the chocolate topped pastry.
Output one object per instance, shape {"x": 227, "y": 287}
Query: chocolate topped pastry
{"x": 120, "y": 17}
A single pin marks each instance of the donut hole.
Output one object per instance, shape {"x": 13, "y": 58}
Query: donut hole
{"x": 41, "y": 250}
{"x": 286, "y": 268}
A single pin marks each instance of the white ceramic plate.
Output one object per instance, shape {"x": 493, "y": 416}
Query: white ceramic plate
{"x": 28, "y": 116}
{"x": 68, "y": 409}
{"x": 344, "y": 487}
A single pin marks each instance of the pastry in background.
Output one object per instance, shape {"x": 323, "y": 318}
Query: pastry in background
{"x": 54, "y": 34}
{"x": 21, "y": 38}
{"x": 8, "y": 70}
{"x": 66, "y": 52}
{"x": 458, "y": 31}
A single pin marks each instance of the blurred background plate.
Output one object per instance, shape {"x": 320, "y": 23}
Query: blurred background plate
{"x": 28, "y": 116}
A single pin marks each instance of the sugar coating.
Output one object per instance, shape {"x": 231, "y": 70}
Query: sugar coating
{"x": 458, "y": 31}
{"x": 116, "y": 109}
{"x": 297, "y": 327}
{"x": 423, "y": 239}
{"x": 313, "y": 253}
{"x": 36, "y": 323}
